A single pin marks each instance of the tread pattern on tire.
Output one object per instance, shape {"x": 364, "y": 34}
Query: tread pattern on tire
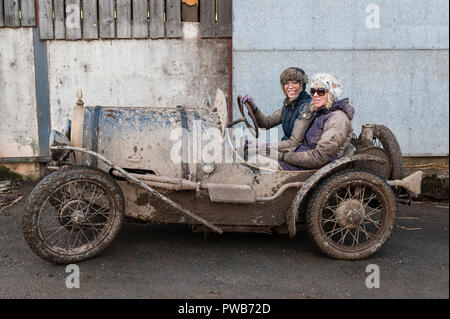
{"x": 391, "y": 146}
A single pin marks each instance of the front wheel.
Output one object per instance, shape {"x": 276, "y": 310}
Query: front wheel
{"x": 73, "y": 214}
{"x": 352, "y": 214}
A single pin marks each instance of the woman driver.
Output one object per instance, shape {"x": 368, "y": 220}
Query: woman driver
{"x": 293, "y": 83}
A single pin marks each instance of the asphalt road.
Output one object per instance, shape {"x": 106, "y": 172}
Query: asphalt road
{"x": 169, "y": 261}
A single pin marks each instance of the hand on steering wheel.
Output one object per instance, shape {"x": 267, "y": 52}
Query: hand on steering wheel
{"x": 245, "y": 98}
{"x": 250, "y": 105}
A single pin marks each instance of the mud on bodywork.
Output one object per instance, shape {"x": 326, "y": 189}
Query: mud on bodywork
{"x": 146, "y": 207}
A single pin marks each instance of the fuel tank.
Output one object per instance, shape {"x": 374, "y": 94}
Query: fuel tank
{"x": 140, "y": 138}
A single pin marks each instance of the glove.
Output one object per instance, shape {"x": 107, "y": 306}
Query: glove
{"x": 282, "y": 154}
{"x": 245, "y": 98}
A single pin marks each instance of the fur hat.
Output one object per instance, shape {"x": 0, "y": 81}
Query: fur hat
{"x": 329, "y": 82}
{"x": 293, "y": 74}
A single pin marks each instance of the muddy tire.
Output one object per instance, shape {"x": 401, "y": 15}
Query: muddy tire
{"x": 87, "y": 217}
{"x": 351, "y": 215}
{"x": 384, "y": 138}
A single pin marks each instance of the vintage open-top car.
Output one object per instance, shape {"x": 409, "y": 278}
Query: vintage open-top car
{"x": 151, "y": 164}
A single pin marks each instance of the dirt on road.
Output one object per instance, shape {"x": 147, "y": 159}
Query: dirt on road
{"x": 169, "y": 261}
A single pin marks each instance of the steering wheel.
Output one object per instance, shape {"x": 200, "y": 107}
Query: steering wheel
{"x": 253, "y": 129}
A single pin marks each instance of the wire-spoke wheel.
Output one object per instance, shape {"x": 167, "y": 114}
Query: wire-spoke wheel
{"x": 73, "y": 214}
{"x": 352, "y": 214}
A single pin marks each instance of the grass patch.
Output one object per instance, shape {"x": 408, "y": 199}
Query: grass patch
{"x": 7, "y": 174}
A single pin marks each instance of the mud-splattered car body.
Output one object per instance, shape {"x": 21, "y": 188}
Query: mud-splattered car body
{"x": 156, "y": 159}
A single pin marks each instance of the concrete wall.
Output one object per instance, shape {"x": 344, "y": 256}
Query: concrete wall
{"x": 395, "y": 74}
{"x": 18, "y": 117}
{"x": 164, "y": 72}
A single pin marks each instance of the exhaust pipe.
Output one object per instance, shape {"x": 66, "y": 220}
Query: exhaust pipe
{"x": 411, "y": 183}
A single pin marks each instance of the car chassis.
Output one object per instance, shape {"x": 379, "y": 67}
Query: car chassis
{"x": 74, "y": 213}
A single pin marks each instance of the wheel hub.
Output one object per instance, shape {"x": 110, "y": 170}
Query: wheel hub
{"x": 350, "y": 213}
{"x": 73, "y": 213}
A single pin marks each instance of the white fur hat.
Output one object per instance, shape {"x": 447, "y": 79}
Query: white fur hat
{"x": 329, "y": 82}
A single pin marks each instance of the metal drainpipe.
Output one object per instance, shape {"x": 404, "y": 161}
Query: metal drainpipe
{"x": 230, "y": 82}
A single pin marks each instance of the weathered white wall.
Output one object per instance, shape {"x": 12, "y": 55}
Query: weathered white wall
{"x": 167, "y": 72}
{"x": 18, "y": 117}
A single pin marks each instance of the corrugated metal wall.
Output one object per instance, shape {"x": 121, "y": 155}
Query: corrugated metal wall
{"x": 391, "y": 55}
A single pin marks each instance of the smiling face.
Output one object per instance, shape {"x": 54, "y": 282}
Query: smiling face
{"x": 320, "y": 97}
{"x": 292, "y": 89}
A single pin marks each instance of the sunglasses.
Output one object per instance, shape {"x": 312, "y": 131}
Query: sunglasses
{"x": 319, "y": 91}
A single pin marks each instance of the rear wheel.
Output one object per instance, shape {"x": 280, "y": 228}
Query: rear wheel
{"x": 73, "y": 214}
{"x": 352, "y": 214}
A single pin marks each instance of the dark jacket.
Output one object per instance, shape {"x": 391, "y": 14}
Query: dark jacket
{"x": 291, "y": 112}
{"x": 287, "y": 116}
{"x": 325, "y": 140}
